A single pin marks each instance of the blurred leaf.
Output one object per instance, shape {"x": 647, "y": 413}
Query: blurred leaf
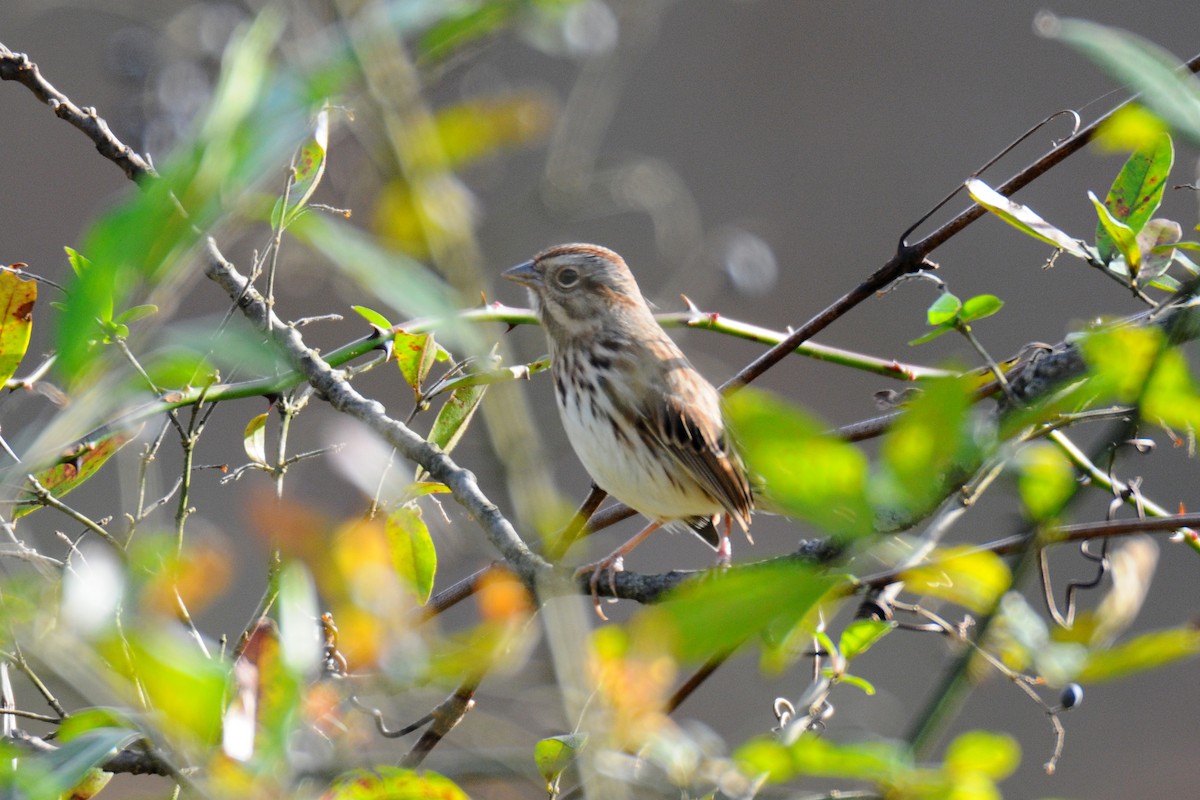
{"x": 555, "y": 753}
{"x": 860, "y": 634}
{"x": 1156, "y": 241}
{"x": 1135, "y": 195}
{"x": 17, "y": 296}
{"x": 137, "y": 312}
{"x": 393, "y": 783}
{"x": 254, "y": 439}
{"x": 415, "y": 354}
{"x": 185, "y": 688}
{"x": 807, "y": 472}
{"x": 1046, "y": 480}
{"x": 62, "y": 478}
{"x": 928, "y": 446}
{"x": 1148, "y": 651}
{"x": 718, "y": 614}
{"x": 944, "y": 309}
{"x": 412, "y": 212}
{"x": 72, "y": 763}
{"x": 413, "y": 553}
{"x": 1119, "y": 361}
{"x": 865, "y": 685}
{"x": 1170, "y": 397}
{"x": 980, "y": 306}
{"x": 298, "y": 608}
{"x": 479, "y": 127}
{"x": 179, "y": 367}
{"x": 309, "y": 166}
{"x": 89, "y": 719}
{"x": 972, "y": 578}
{"x": 145, "y": 240}
{"x": 1116, "y": 237}
{"x": 1165, "y": 86}
{"x": 395, "y": 278}
{"x": 992, "y": 754}
{"x": 454, "y": 416}
{"x": 373, "y": 317}
{"x": 810, "y": 755}
{"x": 458, "y": 30}
{"x": 1130, "y": 127}
{"x": 1024, "y": 219}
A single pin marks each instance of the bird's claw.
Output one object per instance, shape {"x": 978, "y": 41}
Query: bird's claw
{"x": 606, "y": 566}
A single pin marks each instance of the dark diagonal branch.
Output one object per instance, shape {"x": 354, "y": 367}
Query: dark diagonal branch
{"x": 17, "y": 67}
{"x": 911, "y": 257}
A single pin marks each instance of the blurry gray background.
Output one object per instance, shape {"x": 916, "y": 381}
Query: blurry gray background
{"x": 784, "y": 147}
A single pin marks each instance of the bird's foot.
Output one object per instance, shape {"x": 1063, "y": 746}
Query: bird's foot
{"x": 605, "y": 567}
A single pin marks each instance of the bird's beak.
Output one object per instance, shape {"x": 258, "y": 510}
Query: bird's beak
{"x": 523, "y": 274}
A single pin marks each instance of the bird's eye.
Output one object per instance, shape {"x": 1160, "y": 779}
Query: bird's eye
{"x": 567, "y": 277}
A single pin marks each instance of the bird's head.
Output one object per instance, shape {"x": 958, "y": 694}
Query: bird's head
{"x": 580, "y": 289}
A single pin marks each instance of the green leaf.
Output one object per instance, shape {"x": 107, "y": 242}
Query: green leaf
{"x": 995, "y": 755}
{"x": 309, "y": 166}
{"x": 972, "y": 578}
{"x": 807, "y": 472}
{"x": 718, "y": 614}
{"x": 865, "y": 685}
{"x": 414, "y": 354}
{"x": 454, "y": 416}
{"x": 1135, "y": 195}
{"x": 1118, "y": 238}
{"x": 413, "y": 553}
{"x": 17, "y": 296}
{"x": 1046, "y": 480}
{"x": 1165, "y": 86}
{"x": 979, "y": 307}
{"x": 555, "y": 753}
{"x": 933, "y": 334}
{"x": 1148, "y": 651}
{"x": 860, "y": 634}
{"x": 62, "y": 478}
{"x": 944, "y": 309}
{"x": 373, "y": 317}
{"x": 393, "y": 783}
{"x": 254, "y": 439}
{"x": 1024, "y": 219}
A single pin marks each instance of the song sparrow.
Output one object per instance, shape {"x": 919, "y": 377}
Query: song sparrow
{"x": 646, "y": 425}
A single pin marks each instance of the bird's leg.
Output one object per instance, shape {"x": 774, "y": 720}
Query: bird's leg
{"x": 612, "y": 564}
{"x": 724, "y": 545}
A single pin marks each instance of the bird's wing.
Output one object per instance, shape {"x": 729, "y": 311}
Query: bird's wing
{"x": 685, "y": 416}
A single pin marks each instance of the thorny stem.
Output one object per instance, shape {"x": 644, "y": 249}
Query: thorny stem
{"x": 45, "y": 497}
{"x": 17, "y": 658}
{"x": 274, "y": 567}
